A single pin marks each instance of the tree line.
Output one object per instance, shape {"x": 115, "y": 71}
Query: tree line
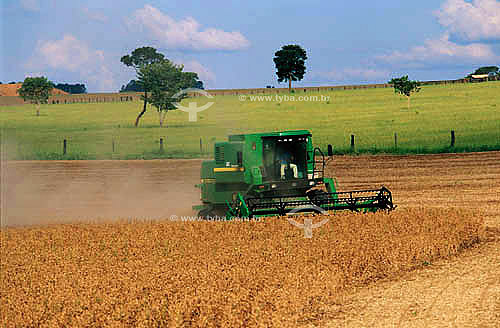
{"x": 77, "y": 88}
{"x": 135, "y": 86}
{"x": 485, "y": 70}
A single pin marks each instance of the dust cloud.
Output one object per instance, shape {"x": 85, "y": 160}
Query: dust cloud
{"x": 41, "y": 192}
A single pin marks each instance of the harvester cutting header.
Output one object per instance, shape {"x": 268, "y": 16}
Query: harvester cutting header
{"x": 276, "y": 173}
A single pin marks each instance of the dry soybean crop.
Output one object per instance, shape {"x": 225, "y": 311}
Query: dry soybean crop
{"x": 225, "y": 274}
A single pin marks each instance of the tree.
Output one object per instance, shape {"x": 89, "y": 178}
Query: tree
{"x": 136, "y": 86}
{"x": 405, "y": 87}
{"x": 290, "y": 64}
{"x": 199, "y": 85}
{"x": 486, "y": 70}
{"x": 36, "y": 90}
{"x": 138, "y": 59}
{"x": 192, "y": 80}
{"x": 164, "y": 80}
{"x": 77, "y": 88}
{"x": 132, "y": 86}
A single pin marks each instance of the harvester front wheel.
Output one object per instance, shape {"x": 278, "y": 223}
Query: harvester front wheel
{"x": 211, "y": 213}
{"x": 205, "y": 213}
{"x": 316, "y": 195}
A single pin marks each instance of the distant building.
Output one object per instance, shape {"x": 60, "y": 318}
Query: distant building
{"x": 479, "y": 78}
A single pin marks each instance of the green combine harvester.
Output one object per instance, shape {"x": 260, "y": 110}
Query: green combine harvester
{"x": 266, "y": 174}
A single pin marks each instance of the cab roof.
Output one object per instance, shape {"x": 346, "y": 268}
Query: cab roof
{"x": 240, "y": 137}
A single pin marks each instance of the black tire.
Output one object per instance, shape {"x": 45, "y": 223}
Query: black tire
{"x": 204, "y": 213}
{"x": 316, "y": 195}
{"x": 212, "y": 213}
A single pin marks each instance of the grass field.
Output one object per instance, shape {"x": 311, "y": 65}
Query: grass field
{"x": 372, "y": 115}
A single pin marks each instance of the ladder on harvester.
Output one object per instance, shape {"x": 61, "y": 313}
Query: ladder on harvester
{"x": 319, "y": 164}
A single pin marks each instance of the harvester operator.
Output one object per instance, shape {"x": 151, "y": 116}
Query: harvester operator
{"x": 287, "y": 160}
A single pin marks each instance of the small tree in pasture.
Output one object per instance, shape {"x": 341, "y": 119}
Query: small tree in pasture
{"x": 36, "y": 90}
{"x": 405, "y": 87}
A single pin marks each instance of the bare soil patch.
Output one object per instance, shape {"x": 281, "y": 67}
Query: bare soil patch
{"x": 39, "y": 192}
{"x": 469, "y": 180}
{"x": 11, "y": 90}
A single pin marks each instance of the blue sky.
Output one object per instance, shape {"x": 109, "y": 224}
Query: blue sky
{"x": 230, "y": 44}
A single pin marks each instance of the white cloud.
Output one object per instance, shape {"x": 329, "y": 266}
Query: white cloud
{"x": 31, "y": 5}
{"x": 353, "y": 74}
{"x": 94, "y": 15}
{"x": 472, "y": 21}
{"x": 73, "y": 55}
{"x": 204, "y": 74}
{"x": 186, "y": 34}
{"x": 68, "y": 53}
{"x": 442, "y": 50}
{"x": 34, "y": 74}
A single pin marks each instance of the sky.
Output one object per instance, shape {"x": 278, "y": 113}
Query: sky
{"x": 231, "y": 44}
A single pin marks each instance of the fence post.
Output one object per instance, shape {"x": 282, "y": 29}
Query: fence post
{"x": 113, "y": 145}
{"x": 395, "y": 140}
{"x": 352, "y": 142}
{"x": 161, "y": 145}
{"x": 64, "y": 147}
{"x": 201, "y": 146}
{"x": 452, "y": 144}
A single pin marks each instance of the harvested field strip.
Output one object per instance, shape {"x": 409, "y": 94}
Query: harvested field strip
{"x": 214, "y": 273}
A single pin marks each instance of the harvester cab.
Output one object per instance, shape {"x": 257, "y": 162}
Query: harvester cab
{"x": 275, "y": 173}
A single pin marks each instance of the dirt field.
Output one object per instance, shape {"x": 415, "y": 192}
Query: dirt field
{"x": 65, "y": 191}
{"x": 461, "y": 292}
{"x": 11, "y": 90}
{"x": 470, "y": 180}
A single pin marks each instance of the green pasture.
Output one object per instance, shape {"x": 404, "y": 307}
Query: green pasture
{"x": 372, "y": 115}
